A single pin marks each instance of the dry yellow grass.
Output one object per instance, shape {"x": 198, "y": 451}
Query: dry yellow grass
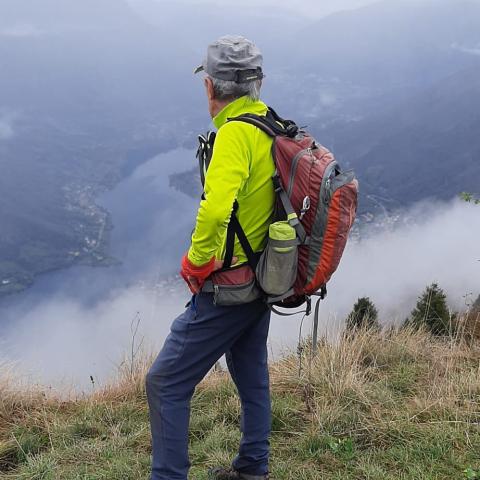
{"x": 372, "y": 405}
{"x": 469, "y": 325}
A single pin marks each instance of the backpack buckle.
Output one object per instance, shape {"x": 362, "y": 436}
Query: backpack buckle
{"x": 277, "y": 184}
{"x": 291, "y": 130}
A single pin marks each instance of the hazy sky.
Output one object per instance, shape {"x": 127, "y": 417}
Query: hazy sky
{"x": 305, "y": 7}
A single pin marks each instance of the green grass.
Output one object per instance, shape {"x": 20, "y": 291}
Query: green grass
{"x": 396, "y": 407}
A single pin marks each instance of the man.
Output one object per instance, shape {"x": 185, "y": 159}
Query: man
{"x": 240, "y": 169}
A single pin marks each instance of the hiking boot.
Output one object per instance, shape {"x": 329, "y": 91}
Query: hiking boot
{"x": 219, "y": 473}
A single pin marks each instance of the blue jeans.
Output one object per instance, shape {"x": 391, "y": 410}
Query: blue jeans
{"x": 198, "y": 338}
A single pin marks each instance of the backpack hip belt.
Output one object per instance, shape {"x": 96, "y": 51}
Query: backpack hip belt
{"x": 233, "y": 286}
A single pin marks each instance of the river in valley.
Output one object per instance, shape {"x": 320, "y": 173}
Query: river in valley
{"x": 76, "y": 322}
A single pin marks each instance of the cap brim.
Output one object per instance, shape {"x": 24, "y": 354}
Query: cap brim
{"x": 199, "y": 69}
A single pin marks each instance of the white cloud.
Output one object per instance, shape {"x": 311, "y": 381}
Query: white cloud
{"x": 63, "y": 339}
{"x": 63, "y": 342}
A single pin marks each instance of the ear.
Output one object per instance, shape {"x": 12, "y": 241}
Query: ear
{"x": 209, "y": 87}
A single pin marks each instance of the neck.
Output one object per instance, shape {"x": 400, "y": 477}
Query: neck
{"x": 216, "y": 106}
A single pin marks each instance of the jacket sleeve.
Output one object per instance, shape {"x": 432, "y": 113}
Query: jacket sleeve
{"x": 226, "y": 176}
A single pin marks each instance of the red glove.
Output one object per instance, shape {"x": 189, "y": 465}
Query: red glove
{"x": 195, "y": 276}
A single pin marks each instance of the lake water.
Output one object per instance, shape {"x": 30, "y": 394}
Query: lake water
{"x": 151, "y": 226}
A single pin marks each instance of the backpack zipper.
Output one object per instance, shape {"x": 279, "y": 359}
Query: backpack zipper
{"x": 293, "y": 170}
{"x": 306, "y": 209}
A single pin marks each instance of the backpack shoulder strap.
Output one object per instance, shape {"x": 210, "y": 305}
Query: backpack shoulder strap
{"x": 272, "y": 124}
{"x": 235, "y": 229}
{"x": 204, "y": 153}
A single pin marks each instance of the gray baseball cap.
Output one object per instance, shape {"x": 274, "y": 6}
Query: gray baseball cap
{"x": 233, "y": 58}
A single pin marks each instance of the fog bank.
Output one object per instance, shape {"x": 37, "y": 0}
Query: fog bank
{"x": 63, "y": 340}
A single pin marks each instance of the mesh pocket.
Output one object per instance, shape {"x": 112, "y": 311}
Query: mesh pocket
{"x": 277, "y": 269}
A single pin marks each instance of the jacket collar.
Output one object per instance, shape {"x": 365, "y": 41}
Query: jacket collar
{"x": 238, "y": 107}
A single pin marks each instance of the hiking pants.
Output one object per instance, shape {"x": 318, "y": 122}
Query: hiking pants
{"x": 198, "y": 338}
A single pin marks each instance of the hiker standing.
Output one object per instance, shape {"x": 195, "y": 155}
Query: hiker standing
{"x": 271, "y": 229}
{"x": 226, "y": 316}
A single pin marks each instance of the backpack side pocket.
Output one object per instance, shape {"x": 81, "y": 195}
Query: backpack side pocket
{"x": 277, "y": 268}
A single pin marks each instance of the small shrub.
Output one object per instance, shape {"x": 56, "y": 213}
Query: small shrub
{"x": 431, "y": 312}
{"x": 363, "y": 316}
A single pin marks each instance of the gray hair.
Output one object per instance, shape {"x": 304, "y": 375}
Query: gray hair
{"x": 229, "y": 90}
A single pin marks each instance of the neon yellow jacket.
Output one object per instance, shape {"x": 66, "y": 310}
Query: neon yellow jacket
{"x": 241, "y": 168}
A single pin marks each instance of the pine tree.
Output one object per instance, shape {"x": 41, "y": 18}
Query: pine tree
{"x": 363, "y": 315}
{"x": 431, "y": 312}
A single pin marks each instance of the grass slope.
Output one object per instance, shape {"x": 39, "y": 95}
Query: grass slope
{"x": 400, "y": 405}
